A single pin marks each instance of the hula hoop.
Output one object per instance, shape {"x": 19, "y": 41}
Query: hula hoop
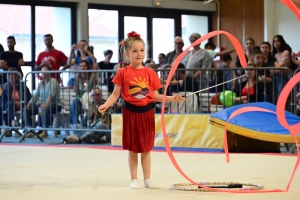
{"x": 182, "y": 186}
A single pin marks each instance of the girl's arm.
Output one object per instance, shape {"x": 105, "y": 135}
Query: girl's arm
{"x": 111, "y": 99}
{"x": 159, "y": 97}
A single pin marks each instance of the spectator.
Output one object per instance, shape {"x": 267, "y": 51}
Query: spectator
{"x": 197, "y": 58}
{"x": 210, "y": 48}
{"x": 283, "y": 55}
{"x": 11, "y": 58}
{"x": 1, "y": 48}
{"x": 45, "y": 101}
{"x": 14, "y": 95}
{"x": 249, "y": 90}
{"x": 178, "y": 45}
{"x": 188, "y": 84}
{"x": 269, "y": 59}
{"x": 82, "y": 53}
{"x": 224, "y": 75}
{"x": 161, "y": 60}
{"x": 95, "y": 120}
{"x": 148, "y": 62}
{"x": 51, "y": 58}
{"x": 107, "y": 65}
{"x": 249, "y": 52}
{"x": 84, "y": 83}
{"x": 264, "y": 76}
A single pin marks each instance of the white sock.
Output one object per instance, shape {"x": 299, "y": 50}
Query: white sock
{"x": 134, "y": 184}
{"x": 149, "y": 184}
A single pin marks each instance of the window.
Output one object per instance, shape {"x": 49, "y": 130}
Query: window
{"x": 193, "y": 24}
{"x": 137, "y": 24}
{"x": 10, "y": 16}
{"x": 103, "y": 32}
{"x": 48, "y": 20}
{"x": 163, "y": 33}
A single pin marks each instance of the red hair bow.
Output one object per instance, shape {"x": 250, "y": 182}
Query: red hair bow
{"x": 133, "y": 34}
{"x": 123, "y": 43}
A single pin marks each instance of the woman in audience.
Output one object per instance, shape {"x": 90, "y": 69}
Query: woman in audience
{"x": 249, "y": 90}
{"x": 14, "y": 95}
{"x": 82, "y": 53}
{"x": 197, "y": 58}
{"x": 281, "y": 52}
{"x": 45, "y": 101}
{"x": 84, "y": 83}
{"x": 249, "y": 52}
{"x": 269, "y": 59}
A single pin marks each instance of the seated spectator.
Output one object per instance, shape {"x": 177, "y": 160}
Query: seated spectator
{"x": 147, "y": 63}
{"x": 249, "y": 90}
{"x": 161, "y": 60}
{"x": 188, "y": 84}
{"x": 224, "y": 76}
{"x": 94, "y": 119}
{"x": 85, "y": 82}
{"x": 13, "y": 95}
{"x": 45, "y": 101}
{"x": 264, "y": 76}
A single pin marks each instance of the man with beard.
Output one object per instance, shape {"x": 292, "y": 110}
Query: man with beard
{"x": 52, "y": 58}
{"x": 11, "y": 59}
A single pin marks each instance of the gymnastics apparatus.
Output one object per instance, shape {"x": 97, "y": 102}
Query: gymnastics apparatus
{"x": 281, "y": 117}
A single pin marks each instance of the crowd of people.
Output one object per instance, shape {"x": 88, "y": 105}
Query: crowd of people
{"x": 256, "y": 85}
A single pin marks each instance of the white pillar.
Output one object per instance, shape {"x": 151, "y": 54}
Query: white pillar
{"x": 82, "y": 21}
{"x": 270, "y": 28}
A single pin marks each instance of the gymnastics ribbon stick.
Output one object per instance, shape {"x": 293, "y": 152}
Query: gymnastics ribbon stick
{"x": 241, "y": 56}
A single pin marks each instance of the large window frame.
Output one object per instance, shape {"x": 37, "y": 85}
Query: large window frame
{"x": 33, "y": 4}
{"x": 151, "y": 13}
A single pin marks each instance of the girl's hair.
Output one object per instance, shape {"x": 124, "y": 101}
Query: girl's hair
{"x": 12, "y": 69}
{"x": 78, "y": 52}
{"x": 126, "y": 44}
{"x": 87, "y": 64}
{"x": 251, "y": 40}
{"x": 283, "y": 45}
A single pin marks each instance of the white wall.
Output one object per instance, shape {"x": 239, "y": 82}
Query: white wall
{"x": 82, "y": 9}
{"x": 279, "y": 19}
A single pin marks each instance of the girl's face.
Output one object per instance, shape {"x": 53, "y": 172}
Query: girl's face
{"x": 250, "y": 72}
{"x": 83, "y": 66}
{"x": 265, "y": 49}
{"x": 45, "y": 75}
{"x": 249, "y": 45}
{"x": 276, "y": 42}
{"x": 258, "y": 60}
{"x": 82, "y": 45}
{"x": 136, "y": 53}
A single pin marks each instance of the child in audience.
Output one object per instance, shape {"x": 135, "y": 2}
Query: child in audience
{"x": 139, "y": 88}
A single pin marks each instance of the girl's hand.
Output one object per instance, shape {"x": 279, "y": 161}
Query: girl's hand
{"x": 178, "y": 98}
{"x": 102, "y": 109}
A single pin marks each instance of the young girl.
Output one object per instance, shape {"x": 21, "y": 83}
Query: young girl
{"x": 139, "y": 88}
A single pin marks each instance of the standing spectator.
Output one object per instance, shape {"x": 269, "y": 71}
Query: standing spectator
{"x": 224, "y": 75}
{"x": 210, "y": 48}
{"x": 107, "y": 65}
{"x": 197, "y": 58}
{"x": 283, "y": 55}
{"x": 83, "y": 53}
{"x": 161, "y": 60}
{"x": 178, "y": 45}
{"x": 1, "y": 48}
{"x": 52, "y": 58}
{"x": 249, "y": 52}
{"x": 11, "y": 58}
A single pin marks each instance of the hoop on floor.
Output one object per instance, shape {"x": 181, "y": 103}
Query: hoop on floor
{"x": 183, "y": 186}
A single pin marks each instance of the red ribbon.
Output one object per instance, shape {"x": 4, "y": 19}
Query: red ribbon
{"x": 133, "y": 34}
{"x": 280, "y": 113}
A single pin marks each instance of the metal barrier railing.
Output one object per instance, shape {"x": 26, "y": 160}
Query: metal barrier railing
{"x": 71, "y": 109}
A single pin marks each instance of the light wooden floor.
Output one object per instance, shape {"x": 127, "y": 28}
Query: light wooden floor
{"x": 43, "y": 172}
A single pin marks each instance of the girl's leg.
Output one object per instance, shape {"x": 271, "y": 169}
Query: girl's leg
{"x": 146, "y": 165}
{"x": 133, "y": 163}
